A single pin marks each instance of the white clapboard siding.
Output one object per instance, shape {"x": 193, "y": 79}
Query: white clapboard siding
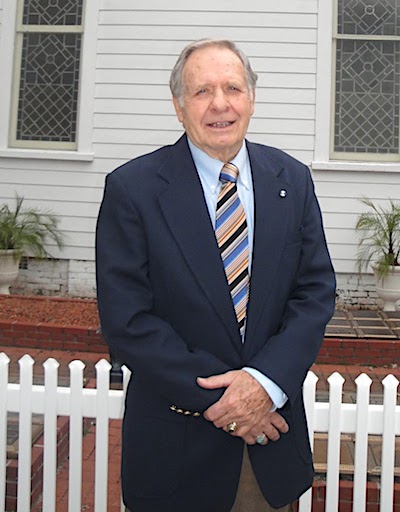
{"x": 226, "y": 6}
{"x": 338, "y": 220}
{"x": 236, "y": 19}
{"x": 254, "y": 49}
{"x": 166, "y": 62}
{"x": 59, "y": 194}
{"x": 36, "y": 175}
{"x": 136, "y": 48}
{"x": 377, "y": 191}
{"x": 269, "y": 34}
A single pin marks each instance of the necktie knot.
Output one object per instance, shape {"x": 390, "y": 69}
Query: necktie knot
{"x": 229, "y": 173}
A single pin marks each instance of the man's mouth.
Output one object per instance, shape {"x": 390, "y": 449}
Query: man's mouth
{"x": 221, "y": 124}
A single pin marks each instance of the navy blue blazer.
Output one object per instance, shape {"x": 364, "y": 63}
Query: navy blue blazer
{"x": 166, "y": 311}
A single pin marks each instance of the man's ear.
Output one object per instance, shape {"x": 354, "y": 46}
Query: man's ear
{"x": 178, "y": 109}
{"x": 254, "y": 101}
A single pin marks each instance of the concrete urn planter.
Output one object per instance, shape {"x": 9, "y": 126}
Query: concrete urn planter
{"x": 9, "y": 267}
{"x": 388, "y": 288}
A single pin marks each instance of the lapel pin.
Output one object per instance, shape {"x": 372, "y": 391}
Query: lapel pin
{"x": 282, "y": 193}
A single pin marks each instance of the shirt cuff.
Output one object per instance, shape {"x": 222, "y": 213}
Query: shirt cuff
{"x": 278, "y": 397}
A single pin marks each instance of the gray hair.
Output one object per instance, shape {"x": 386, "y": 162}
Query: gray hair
{"x": 176, "y": 81}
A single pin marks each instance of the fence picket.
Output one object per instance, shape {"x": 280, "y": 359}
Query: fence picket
{"x": 126, "y": 374}
{"x": 75, "y": 436}
{"x": 390, "y": 384}
{"x": 103, "y": 368}
{"x": 4, "y": 366}
{"x": 50, "y": 435}
{"x": 363, "y": 383}
{"x": 333, "y": 456}
{"x": 25, "y": 434}
{"x": 309, "y": 391}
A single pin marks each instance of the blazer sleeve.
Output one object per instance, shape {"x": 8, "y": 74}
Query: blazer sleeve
{"x": 143, "y": 341}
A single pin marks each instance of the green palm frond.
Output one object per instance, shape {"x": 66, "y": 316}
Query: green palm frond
{"x": 379, "y": 236}
{"x": 28, "y": 230}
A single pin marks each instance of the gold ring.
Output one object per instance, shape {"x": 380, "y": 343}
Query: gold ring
{"x": 232, "y": 427}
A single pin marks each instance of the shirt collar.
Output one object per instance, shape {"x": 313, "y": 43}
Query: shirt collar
{"x": 210, "y": 168}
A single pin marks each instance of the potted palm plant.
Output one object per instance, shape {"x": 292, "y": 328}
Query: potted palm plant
{"x": 379, "y": 241}
{"x": 24, "y": 231}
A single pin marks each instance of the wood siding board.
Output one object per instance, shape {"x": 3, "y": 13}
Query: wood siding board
{"x": 253, "y": 49}
{"x": 166, "y": 62}
{"x": 180, "y": 33}
{"x": 214, "y": 18}
{"x": 256, "y": 6}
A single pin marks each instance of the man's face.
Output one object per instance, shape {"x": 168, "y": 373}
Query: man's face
{"x": 217, "y": 105}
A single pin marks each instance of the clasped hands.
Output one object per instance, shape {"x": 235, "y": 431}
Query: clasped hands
{"x": 245, "y": 402}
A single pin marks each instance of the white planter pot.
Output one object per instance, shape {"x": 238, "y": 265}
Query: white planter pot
{"x": 9, "y": 267}
{"x": 388, "y": 288}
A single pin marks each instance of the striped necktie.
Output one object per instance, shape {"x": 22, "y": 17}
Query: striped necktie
{"x": 232, "y": 238}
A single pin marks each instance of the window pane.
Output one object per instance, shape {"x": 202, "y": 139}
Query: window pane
{"x": 48, "y": 93}
{"x": 52, "y": 12}
{"x": 372, "y": 17}
{"x": 367, "y": 97}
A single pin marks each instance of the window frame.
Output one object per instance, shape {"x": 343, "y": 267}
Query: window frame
{"x": 324, "y": 156}
{"x": 9, "y": 88}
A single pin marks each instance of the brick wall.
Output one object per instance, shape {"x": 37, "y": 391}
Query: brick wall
{"x": 81, "y": 279}
{"x": 42, "y": 277}
{"x": 51, "y": 337}
{"x": 360, "y": 352}
{"x": 356, "y": 290}
{"x": 56, "y": 278}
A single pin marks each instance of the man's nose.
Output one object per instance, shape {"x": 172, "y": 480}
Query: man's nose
{"x": 219, "y": 101}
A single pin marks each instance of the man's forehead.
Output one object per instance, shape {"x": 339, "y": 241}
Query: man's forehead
{"x": 213, "y": 52}
{"x": 216, "y": 61}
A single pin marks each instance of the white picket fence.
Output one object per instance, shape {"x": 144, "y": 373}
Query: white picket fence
{"x": 103, "y": 404}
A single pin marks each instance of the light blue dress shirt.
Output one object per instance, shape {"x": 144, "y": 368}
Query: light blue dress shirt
{"x": 209, "y": 169}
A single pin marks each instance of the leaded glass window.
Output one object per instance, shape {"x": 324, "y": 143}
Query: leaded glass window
{"x": 48, "y": 56}
{"x": 367, "y": 80}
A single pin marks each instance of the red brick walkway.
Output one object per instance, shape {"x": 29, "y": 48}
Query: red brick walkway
{"x": 89, "y": 358}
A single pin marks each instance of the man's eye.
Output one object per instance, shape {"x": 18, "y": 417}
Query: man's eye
{"x": 201, "y": 91}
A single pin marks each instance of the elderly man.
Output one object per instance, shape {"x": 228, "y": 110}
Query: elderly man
{"x": 214, "y": 288}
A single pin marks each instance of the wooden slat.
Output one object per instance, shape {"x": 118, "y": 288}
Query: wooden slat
{"x": 75, "y": 437}
{"x": 4, "y": 374}
{"x": 50, "y": 435}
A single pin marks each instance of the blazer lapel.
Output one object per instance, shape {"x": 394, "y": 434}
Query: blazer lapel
{"x": 185, "y": 210}
{"x": 271, "y": 204}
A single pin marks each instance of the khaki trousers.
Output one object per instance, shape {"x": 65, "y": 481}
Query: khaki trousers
{"x": 249, "y": 497}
